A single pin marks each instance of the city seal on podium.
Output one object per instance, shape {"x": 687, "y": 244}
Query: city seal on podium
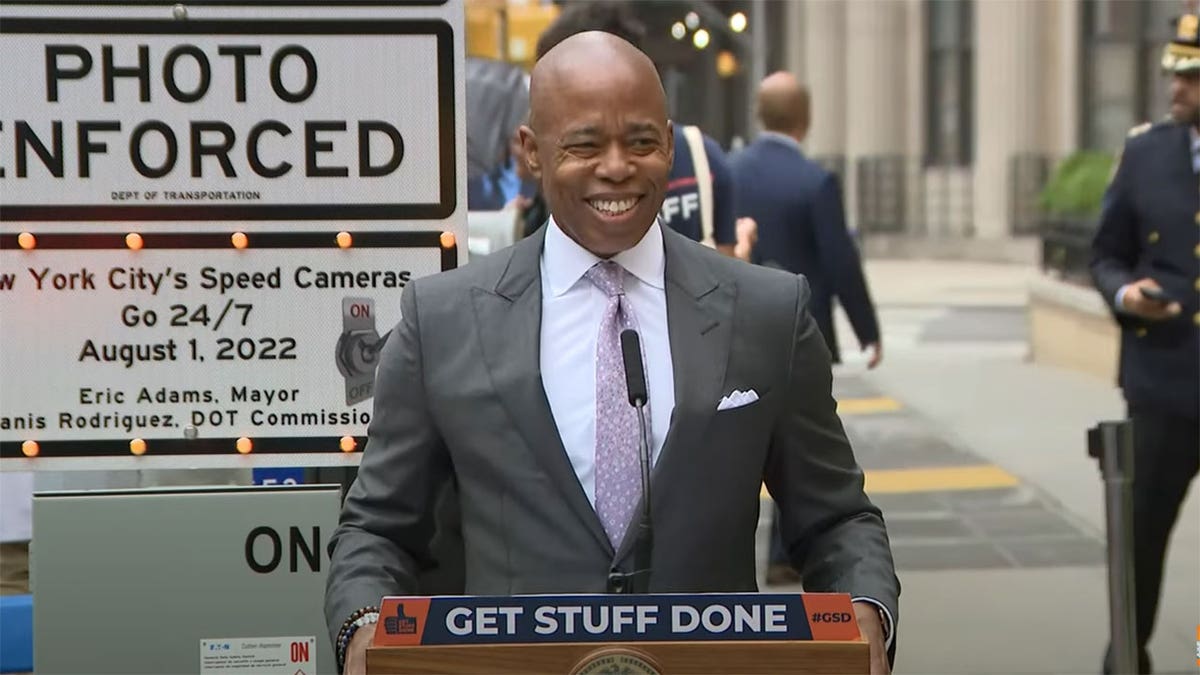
{"x": 617, "y": 661}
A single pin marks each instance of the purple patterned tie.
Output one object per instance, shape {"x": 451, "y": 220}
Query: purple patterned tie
{"x": 618, "y": 473}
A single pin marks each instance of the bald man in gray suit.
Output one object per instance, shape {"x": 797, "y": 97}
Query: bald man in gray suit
{"x": 505, "y": 376}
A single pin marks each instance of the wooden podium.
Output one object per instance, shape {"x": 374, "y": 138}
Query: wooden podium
{"x": 746, "y": 634}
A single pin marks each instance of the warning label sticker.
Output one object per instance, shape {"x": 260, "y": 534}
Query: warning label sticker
{"x": 259, "y": 656}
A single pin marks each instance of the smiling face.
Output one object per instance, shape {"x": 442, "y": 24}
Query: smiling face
{"x": 600, "y": 142}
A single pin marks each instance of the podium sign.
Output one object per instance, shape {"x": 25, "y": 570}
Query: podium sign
{"x": 407, "y": 621}
{"x": 628, "y": 634}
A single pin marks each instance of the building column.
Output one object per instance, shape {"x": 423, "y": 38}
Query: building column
{"x": 876, "y": 59}
{"x": 877, "y": 105}
{"x": 916, "y": 86}
{"x": 1009, "y": 71}
{"x": 823, "y": 30}
{"x": 1063, "y": 104}
{"x": 795, "y": 39}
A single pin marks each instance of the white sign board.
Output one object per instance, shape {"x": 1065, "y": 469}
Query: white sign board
{"x": 207, "y": 217}
{"x": 216, "y": 120}
{"x": 195, "y": 569}
{"x": 259, "y": 656}
{"x": 199, "y": 345}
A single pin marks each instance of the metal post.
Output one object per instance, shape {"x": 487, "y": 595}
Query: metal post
{"x": 1112, "y": 444}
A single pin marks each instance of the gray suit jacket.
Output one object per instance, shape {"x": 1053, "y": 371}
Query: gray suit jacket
{"x": 459, "y": 396}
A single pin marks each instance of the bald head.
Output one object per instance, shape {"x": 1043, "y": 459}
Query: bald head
{"x": 599, "y": 140}
{"x": 591, "y": 57}
{"x": 783, "y": 105}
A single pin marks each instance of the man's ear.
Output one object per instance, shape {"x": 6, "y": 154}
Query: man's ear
{"x": 671, "y": 142}
{"x": 529, "y": 149}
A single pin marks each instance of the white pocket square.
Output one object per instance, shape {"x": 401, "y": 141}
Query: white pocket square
{"x": 737, "y": 399}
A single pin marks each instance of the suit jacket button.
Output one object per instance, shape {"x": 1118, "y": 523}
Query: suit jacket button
{"x": 1198, "y": 217}
{"x": 1153, "y": 238}
{"x": 1198, "y": 283}
{"x": 1196, "y": 318}
{"x": 1141, "y": 332}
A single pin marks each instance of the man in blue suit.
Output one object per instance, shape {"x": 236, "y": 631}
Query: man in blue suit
{"x": 1145, "y": 264}
{"x": 798, "y": 208}
{"x": 802, "y": 229}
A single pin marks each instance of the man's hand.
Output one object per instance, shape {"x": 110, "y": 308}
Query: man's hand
{"x": 747, "y": 237}
{"x": 875, "y": 349}
{"x": 356, "y": 651}
{"x": 1135, "y": 303}
{"x": 871, "y": 627}
{"x": 747, "y": 229}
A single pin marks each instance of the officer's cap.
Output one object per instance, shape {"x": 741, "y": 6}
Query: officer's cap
{"x": 1183, "y": 51}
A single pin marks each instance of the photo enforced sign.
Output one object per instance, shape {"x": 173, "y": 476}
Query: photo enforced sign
{"x": 210, "y": 215}
{"x": 158, "y": 120}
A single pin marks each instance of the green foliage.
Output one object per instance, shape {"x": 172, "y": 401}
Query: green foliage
{"x": 1077, "y": 185}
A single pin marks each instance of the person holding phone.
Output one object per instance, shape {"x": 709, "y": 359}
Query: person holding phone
{"x": 1146, "y": 263}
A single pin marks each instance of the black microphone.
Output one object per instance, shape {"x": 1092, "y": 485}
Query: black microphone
{"x": 635, "y": 382}
{"x": 635, "y": 375}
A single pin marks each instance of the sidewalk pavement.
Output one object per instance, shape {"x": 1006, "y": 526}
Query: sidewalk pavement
{"x": 939, "y": 283}
{"x": 955, "y": 356}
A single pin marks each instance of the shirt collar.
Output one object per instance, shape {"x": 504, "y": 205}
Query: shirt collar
{"x": 1195, "y": 139}
{"x": 782, "y": 138}
{"x": 565, "y": 261}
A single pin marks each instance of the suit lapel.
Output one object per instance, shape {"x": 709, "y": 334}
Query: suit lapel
{"x": 509, "y": 320}
{"x": 700, "y": 325}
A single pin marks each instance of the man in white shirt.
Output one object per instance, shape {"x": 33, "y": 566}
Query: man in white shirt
{"x": 506, "y": 376}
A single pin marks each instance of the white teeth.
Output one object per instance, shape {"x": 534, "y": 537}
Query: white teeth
{"x": 613, "y": 207}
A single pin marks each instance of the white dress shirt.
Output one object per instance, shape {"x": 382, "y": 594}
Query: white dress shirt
{"x": 572, "y": 308}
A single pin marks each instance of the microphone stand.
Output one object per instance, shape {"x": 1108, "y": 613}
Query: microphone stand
{"x": 637, "y": 581}
{"x": 645, "y": 541}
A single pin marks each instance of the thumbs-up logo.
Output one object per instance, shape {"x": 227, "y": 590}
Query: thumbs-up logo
{"x": 400, "y": 624}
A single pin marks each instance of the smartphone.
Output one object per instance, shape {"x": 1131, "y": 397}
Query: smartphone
{"x": 1155, "y": 294}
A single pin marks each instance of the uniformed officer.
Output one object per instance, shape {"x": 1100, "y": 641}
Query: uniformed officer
{"x": 1146, "y": 263}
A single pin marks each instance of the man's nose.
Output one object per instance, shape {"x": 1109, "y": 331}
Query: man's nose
{"x": 615, "y": 164}
{"x": 1179, "y": 85}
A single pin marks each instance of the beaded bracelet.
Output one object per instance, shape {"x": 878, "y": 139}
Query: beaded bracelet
{"x": 344, "y": 640}
{"x": 361, "y": 617}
